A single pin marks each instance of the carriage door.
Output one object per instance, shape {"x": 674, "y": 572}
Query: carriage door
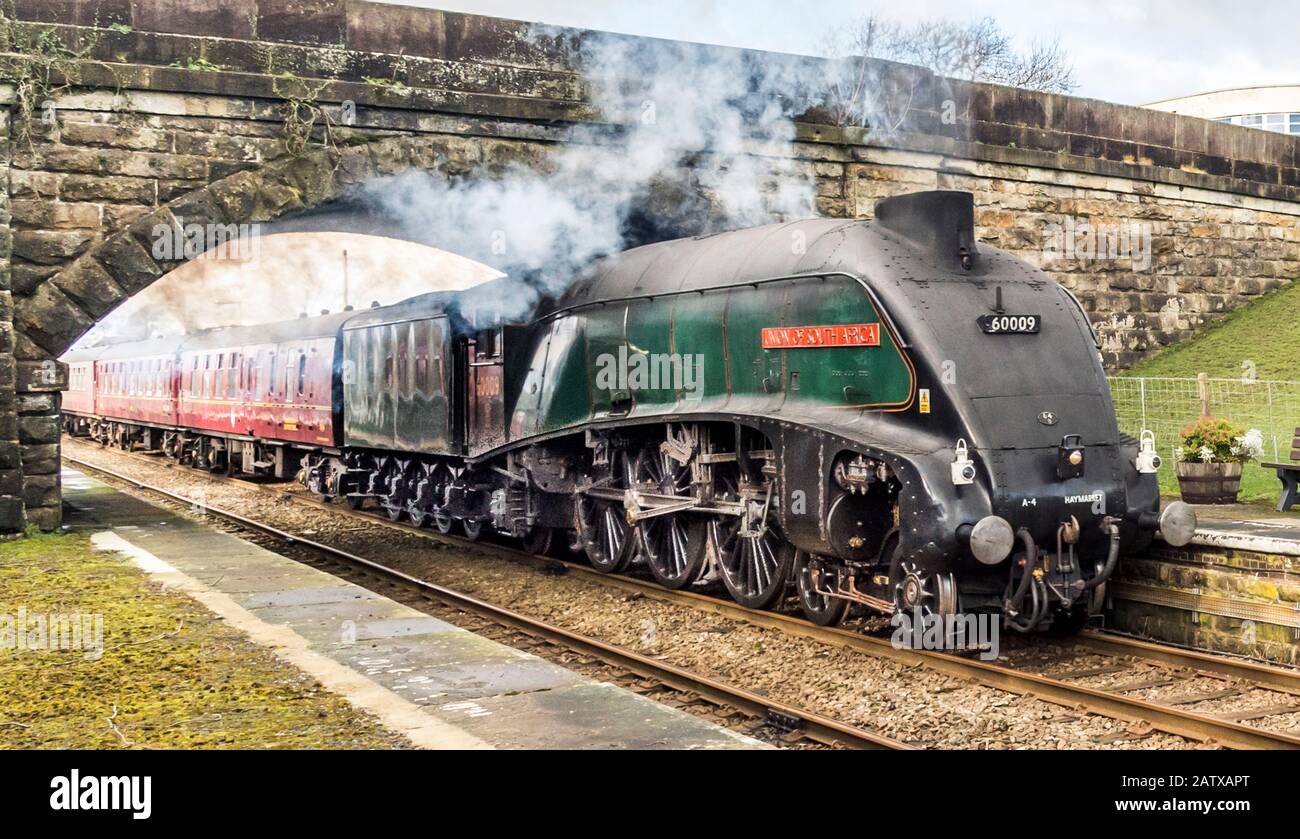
{"x": 484, "y": 404}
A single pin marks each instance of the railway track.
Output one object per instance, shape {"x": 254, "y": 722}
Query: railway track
{"x": 1060, "y": 689}
{"x": 814, "y": 726}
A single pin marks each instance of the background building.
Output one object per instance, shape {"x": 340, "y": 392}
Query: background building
{"x": 1271, "y": 107}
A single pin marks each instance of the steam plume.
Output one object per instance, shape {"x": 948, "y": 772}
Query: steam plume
{"x": 698, "y": 140}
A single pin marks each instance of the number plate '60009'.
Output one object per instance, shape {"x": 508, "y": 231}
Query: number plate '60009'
{"x": 1010, "y": 324}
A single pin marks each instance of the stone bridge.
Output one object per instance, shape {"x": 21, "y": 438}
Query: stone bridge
{"x": 119, "y": 115}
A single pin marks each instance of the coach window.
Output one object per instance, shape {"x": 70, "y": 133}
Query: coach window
{"x": 232, "y": 377}
{"x": 371, "y": 349}
{"x": 194, "y": 376}
{"x": 390, "y": 360}
{"x": 421, "y": 348}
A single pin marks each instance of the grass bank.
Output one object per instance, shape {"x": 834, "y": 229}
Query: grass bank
{"x": 167, "y": 675}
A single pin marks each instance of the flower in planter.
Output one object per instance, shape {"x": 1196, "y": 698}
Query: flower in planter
{"x": 1251, "y": 444}
{"x": 1210, "y": 440}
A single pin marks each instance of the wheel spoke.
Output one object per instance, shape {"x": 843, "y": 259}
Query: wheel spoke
{"x": 764, "y": 564}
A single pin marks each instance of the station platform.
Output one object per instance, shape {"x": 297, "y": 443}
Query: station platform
{"x": 439, "y": 685}
{"x": 1234, "y": 589}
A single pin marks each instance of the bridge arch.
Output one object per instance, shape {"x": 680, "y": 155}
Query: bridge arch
{"x": 58, "y": 310}
{"x": 126, "y": 262}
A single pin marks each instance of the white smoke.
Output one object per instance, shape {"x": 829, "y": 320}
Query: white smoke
{"x": 695, "y": 139}
{"x": 691, "y": 139}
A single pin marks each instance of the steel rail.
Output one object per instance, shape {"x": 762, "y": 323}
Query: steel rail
{"x": 808, "y": 723}
{"x": 1170, "y": 719}
{"x": 1283, "y": 679}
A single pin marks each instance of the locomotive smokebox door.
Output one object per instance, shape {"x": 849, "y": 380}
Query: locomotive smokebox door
{"x": 1070, "y": 457}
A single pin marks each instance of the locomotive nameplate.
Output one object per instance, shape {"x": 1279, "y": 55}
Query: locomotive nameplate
{"x": 842, "y": 335}
{"x": 1010, "y": 324}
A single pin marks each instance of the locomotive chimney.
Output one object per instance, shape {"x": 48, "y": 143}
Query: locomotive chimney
{"x": 940, "y": 222}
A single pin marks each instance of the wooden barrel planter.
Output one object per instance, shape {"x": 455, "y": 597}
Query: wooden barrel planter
{"x": 1209, "y": 483}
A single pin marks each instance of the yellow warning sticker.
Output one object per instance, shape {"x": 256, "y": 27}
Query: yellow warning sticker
{"x": 925, "y": 400}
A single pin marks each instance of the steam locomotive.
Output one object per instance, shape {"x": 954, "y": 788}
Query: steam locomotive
{"x": 867, "y": 414}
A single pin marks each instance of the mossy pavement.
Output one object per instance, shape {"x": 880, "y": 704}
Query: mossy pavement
{"x": 171, "y": 675}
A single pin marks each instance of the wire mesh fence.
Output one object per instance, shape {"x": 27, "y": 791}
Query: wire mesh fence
{"x": 1166, "y": 406}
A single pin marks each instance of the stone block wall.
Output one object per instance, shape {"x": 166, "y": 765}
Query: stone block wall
{"x": 1217, "y": 599}
{"x": 1206, "y": 252}
{"x": 175, "y": 111}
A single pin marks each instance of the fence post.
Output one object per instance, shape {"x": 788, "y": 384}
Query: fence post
{"x": 1203, "y": 390}
{"x": 1272, "y": 426}
{"x": 1142, "y": 400}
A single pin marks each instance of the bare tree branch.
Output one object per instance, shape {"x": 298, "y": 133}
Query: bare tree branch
{"x": 977, "y": 50}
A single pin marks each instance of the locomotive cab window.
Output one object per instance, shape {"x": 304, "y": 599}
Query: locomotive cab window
{"x": 488, "y": 345}
{"x": 302, "y": 373}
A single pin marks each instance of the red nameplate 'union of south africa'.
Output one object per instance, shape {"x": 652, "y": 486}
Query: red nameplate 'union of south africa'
{"x": 843, "y": 335}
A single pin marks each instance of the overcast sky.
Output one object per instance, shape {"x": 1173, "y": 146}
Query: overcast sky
{"x": 1130, "y": 52}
